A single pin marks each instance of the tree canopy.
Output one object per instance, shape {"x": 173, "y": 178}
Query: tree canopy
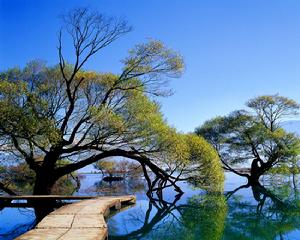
{"x": 65, "y": 112}
{"x": 254, "y": 138}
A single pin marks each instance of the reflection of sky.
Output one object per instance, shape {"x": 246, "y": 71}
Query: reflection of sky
{"x": 86, "y": 182}
{"x": 124, "y": 218}
{"x": 126, "y": 222}
{"x": 232, "y": 181}
{"x": 20, "y": 219}
{"x": 15, "y": 221}
{"x": 89, "y": 180}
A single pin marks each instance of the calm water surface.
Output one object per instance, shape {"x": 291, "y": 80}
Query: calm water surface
{"x": 271, "y": 213}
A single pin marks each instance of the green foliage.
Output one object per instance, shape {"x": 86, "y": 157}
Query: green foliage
{"x": 153, "y": 57}
{"x": 23, "y": 112}
{"x": 207, "y": 169}
{"x": 65, "y": 112}
{"x": 107, "y": 166}
{"x": 201, "y": 218}
{"x": 124, "y": 168}
{"x": 150, "y": 132}
{"x": 211, "y": 130}
{"x": 271, "y": 217}
{"x": 20, "y": 178}
{"x": 287, "y": 168}
{"x": 244, "y": 136}
{"x": 204, "y": 217}
{"x": 271, "y": 108}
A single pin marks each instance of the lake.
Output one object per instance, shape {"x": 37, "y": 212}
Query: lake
{"x": 269, "y": 213}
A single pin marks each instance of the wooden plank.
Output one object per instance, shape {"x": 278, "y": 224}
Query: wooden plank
{"x": 81, "y": 220}
{"x": 37, "y": 234}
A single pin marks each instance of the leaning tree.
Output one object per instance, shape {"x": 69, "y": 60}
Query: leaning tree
{"x": 254, "y": 139}
{"x": 62, "y": 118}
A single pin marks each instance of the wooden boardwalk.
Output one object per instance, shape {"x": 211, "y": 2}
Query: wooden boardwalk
{"x": 82, "y": 220}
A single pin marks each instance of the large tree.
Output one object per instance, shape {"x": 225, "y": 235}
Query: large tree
{"x": 50, "y": 114}
{"x": 255, "y": 138}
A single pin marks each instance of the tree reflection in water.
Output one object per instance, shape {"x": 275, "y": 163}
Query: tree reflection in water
{"x": 201, "y": 216}
{"x": 244, "y": 213}
{"x": 8, "y": 232}
{"x": 273, "y": 215}
{"x": 129, "y": 185}
{"x": 266, "y": 214}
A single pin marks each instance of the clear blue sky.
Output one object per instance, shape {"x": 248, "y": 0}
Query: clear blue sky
{"x": 233, "y": 49}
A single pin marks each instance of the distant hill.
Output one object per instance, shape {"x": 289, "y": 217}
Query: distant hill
{"x": 292, "y": 126}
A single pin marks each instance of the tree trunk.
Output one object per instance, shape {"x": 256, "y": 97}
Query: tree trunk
{"x": 255, "y": 172}
{"x": 44, "y": 182}
{"x": 45, "y": 176}
{"x": 253, "y": 180}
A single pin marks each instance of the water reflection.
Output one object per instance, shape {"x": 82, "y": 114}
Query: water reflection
{"x": 13, "y": 221}
{"x": 125, "y": 186}
{"x": 21, "y": 216}
{"x": 271, "y": 216}
{"x": 202, "y": 217}
{"x": 12, "y": 226}
{"x": 245, "y": 213}
{"x": 271, "y": 212}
